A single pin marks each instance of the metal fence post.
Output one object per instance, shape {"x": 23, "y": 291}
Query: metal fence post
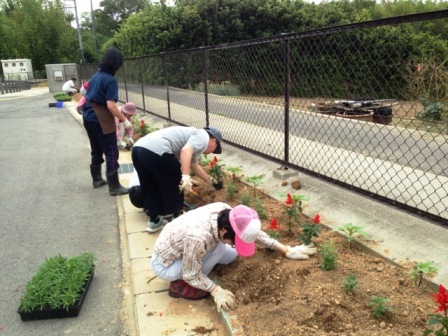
{"x": 206, "y": 64}
{"x": 287, "y": 86}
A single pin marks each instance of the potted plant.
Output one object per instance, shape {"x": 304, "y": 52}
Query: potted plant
{"x": 216, "y": 173}
{"x": 58, "y": 288}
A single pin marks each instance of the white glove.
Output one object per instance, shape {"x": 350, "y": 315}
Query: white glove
{"x": 186, "y": 184}
{"x": 121, "y": 144}
{"x": 295, "y": 253}
{"x": 127, "y": 124}
{"x": 306, "y": 249}
{"x": 223, "y": 299}
{"x": 131, "y": 141}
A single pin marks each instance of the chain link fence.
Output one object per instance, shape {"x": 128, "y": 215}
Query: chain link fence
{"x": 362, "y": 105}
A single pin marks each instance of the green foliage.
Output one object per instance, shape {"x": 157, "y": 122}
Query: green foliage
{"x": 215, "y": 170}
{"x": 222, "y": 89}
{"x": 245, "y": 198}
{"x": 423, "y": 269}
{"x": 260, "y": 208}
{"x": 141, "y": 127}
{"x": 350, "y": 283}
{"x": 432, "y": 111}
{"x": 62, "y": 96}
{"x": 255, "y": 180}
{"x": 234, "y": 171}
{"x": 329, "y": 256}
{"x": 231, "y": 189}
{"x": 379, "y": 306}
{"x": 204, "y": 161}
{"x": 309, "y": 230}
{"x": 351, "y": 230}
{"x": 58, "y": 282}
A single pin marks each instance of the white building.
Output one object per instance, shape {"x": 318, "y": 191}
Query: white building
{"x": 17, "y": 69}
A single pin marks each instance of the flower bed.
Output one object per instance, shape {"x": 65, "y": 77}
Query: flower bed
{"x": 277, "y": 296}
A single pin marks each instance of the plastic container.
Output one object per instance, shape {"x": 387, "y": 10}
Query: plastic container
{"x": 60, "y": 104}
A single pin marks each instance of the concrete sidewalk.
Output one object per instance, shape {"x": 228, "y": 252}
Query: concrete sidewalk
{"x": 393, "y": 234}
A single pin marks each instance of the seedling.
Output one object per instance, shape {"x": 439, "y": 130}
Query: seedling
{"x": 351, "y": 230}
{"x": 423, "y": 269}
{"x": 329, "y": 256}
{"x": 245, "y": 198}
{"x": 204, "y": 161}
{"x": 293, "y": 208}
{"x": 234, "y": 171}
{"x": 255, "y": 181}
{"x": 231, "y": 189}
{"x": 379, "y": 306}
{"x": 260, "y": 208}
{"x": 57, "y": 283}
{"x": 273, "y": 229}
{"x": 350, "y": 283}
{"x": 309, "y": 230}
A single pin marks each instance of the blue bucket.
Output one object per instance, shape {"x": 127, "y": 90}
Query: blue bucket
{"x": 60, "y": 104}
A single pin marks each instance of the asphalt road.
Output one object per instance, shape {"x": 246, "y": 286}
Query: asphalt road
{"x": 49, "y": 207}
{"x": 405, "y": 147}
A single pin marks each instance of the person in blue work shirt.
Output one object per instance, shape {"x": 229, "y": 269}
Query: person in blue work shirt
{"x": 99, "y": 114}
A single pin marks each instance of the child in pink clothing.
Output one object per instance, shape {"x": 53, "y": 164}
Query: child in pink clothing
{"x": 125, "y": 136}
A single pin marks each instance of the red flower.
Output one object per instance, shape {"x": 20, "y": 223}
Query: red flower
{"x": 273, "y": 225}
{"x": 143, "y": 122}
{"x": 442, "y": 299}
{"x": 289, "y": 199}
{"x": 316, "y": 219}
{"x": 215, "y": 160}
{"x": 212, "y": 164}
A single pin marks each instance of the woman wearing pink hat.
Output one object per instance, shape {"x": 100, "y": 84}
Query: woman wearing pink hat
{"x": 125, "y": 135}
{"x": 190, "y": 246}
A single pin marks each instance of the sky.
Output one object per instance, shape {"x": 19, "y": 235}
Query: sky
{"x": 84, "y": 5}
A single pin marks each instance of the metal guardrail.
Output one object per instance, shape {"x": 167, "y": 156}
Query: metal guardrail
{"x": 341, "y": 103}
{"x": 14, "y": 86}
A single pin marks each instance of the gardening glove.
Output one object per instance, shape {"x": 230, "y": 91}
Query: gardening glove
{"x": 131, "y": 141}
{"x": 122, "y": 144}
{"x": 307, "y": 249}
{"x": 127, "y": 124}
{"x": 223, "y": 299}
{"x": 186, "y": 184}
{"x": 295, "y": 253}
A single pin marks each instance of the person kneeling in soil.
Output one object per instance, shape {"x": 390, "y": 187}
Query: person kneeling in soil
{"x": 192, "y": 244}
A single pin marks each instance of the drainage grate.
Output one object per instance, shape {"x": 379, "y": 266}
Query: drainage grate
{"x": 126, "y": 168}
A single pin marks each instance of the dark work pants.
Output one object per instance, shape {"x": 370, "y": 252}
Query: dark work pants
{"x": 159, "y": 177}
{"x": 102, "y": 144}
{"x": 136, "y": 196}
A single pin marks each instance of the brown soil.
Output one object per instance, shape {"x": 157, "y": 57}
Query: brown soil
{"x": 278, "y": 296}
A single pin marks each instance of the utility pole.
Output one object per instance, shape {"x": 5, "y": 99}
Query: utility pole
{"x": 83, "y": 61}
{"x": 93, "y": 28}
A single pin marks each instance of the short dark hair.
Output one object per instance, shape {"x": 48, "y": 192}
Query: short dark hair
{"x": 112, "y": 60}
{"x": 73, "y": 79}
{"x": 224, "y": 223}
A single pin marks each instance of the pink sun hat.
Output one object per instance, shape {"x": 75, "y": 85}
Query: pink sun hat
{"x": 246, "y": 224}
{"x": 129, "y": 108}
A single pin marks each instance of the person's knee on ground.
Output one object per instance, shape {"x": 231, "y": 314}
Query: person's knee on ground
{"x": 136, "y": 196}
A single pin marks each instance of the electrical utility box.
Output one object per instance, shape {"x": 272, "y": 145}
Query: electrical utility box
{"x": 58, "y": 74}
{"x": 17, "y": 69}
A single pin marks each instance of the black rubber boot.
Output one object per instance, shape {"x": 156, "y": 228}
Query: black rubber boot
{"x": 115, "y": 188}
{"x": 98, "y": 180}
